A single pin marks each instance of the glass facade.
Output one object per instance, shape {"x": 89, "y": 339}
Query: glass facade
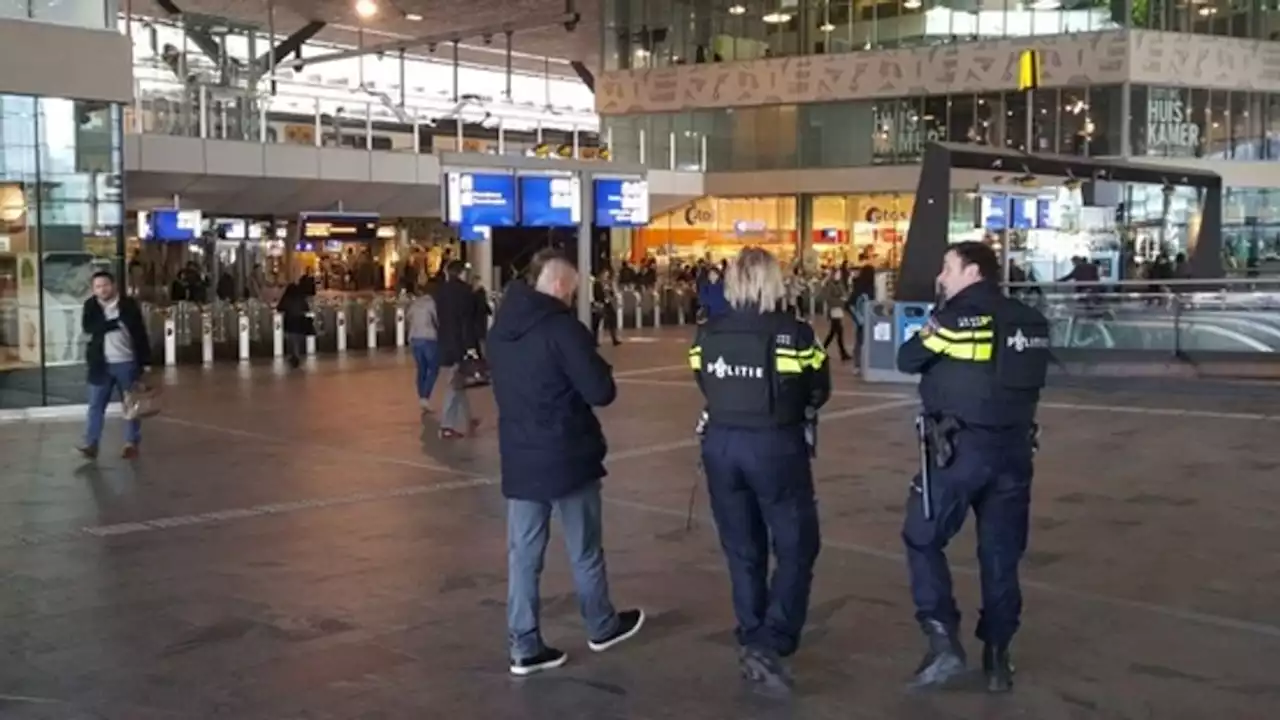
{"x": 1164, "y": 122}
{"x": 99, "y": 14}
{"x": 62, "y": 207}
{"x": 658, "y": 33}
{"x": 1070, "y": 121}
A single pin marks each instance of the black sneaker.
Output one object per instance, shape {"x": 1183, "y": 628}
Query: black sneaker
{"x": 766, "y": 669}
{"x": 548, "y": 659}
{"x": 629, "y": 623}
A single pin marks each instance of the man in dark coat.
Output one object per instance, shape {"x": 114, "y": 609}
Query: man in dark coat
{"x": 456, "y": 311}
{"x": 547, "y": 377}
{"x": 119, "y": 351}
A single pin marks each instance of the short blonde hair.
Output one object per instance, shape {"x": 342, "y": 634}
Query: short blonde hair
{"x": 753, "y": 280}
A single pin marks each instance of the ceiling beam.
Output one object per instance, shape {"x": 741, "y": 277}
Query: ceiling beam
{"x": 289, "y": 45}
{"x": 569, "y": 19}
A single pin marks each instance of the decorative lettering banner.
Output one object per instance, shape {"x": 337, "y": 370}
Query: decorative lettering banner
{"x": 985, "y": 66}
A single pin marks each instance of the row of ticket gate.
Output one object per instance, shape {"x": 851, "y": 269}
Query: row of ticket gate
{"x": 191, "y": 333}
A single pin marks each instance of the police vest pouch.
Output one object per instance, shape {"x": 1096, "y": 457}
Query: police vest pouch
{"x": 1022, "y": 354}
{"x": 735, "y": 374}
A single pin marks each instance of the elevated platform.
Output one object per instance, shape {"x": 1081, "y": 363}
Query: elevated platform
{"x": 295, "y": 546}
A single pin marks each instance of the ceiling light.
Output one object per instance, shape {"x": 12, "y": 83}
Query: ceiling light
{"x": 1206, "y": 11}
{"x": 737, "y": 10}
{"x": 366, "y": 8}
{"x": 1046, "y": 5}
{"x": 413, "y": 17}
{"x": 827, "y": 27}
{"x": 777, "y": 18}
{"x": 912, "y": 4}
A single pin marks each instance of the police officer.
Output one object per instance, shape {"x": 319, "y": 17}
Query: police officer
{"x": 983, "y": 359}
{"x": 764, "y": 376}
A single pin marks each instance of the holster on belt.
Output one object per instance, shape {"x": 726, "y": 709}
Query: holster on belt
{"x": 940, "y": 433}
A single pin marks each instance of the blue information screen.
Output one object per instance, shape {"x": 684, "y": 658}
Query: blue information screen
{"x": 472, "y": 233}
{"x": 1044, "y": 218}
{"x": 995, "y": 212}
{"x": 622, "y": 203}
{"x": 1020, "y": 213}
{"x": 550, "y": 201}
{"x": 175, "y": 225}
{"x": 481, "y": 199}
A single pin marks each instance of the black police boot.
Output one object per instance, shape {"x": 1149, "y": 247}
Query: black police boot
{"x": 998, "y": 666}
{"x": 945, "y": 659}
{"x": 765, "y": 668}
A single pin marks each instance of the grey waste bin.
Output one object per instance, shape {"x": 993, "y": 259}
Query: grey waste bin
{"x": 888, "y": 325}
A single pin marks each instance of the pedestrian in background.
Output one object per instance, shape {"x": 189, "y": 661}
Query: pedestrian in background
{"x": 547, "y": 377}
{"x": 117, "y": 355}
{"x": 456, "y": 337}
{"x": 423, "y": 328}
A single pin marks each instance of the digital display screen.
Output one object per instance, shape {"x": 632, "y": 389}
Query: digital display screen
{"x": 483, "y": 200}
{"x": 473, "y": 233}
{"x": 338, "y": 226}
{"x": 622, "y": 203}
{"x": 1020, "y": 213}
{"x": 994, "y": 210}
{"x": 550, "y": 201}
{"x": 175, "y": 225}
{"x": 1044, "y": 214}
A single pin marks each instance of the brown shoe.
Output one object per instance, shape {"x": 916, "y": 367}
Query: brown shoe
{"x": 88, "y": 452}
{"x": 129, "y": 452}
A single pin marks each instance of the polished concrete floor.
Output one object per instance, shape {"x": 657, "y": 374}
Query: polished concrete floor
{"x": 294, "y": 546}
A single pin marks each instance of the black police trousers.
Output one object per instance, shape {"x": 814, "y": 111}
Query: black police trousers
{"x": 991, "y": 473}
{"x": 761, "y": 488}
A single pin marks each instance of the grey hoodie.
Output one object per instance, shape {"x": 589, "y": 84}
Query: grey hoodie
{"x": 422, "y": 318}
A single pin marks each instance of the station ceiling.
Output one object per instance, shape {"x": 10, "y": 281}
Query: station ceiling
{"x": 438, "y": 16}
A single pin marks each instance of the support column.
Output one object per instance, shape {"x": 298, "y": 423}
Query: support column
{"x": 804, "y": 231}
{"x": 480, "y": 253}
{"x": 587, "y": 193}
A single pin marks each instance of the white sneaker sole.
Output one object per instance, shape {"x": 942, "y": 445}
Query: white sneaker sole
{"x": 601, "y": 647}
{"x": 527, "y": 670}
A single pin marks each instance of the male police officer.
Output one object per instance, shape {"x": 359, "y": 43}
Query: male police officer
{"x": 764, "y": 376}
{"x": 983, "y": 358}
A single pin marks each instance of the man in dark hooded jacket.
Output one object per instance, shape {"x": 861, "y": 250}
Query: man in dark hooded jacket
{"x": 547, "y": 377}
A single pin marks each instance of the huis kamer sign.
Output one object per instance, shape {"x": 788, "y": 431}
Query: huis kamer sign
{"x": 1170, "y": 129}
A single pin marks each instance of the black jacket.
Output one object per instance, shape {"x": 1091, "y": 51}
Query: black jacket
{"x": 960, "y": 352}
{"x": 95, "y": 324}
{"x": 456, "y": 311}
{"x": 547, "y": 377}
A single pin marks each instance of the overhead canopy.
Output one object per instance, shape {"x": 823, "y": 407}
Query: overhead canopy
{"x": 928, "y": 236}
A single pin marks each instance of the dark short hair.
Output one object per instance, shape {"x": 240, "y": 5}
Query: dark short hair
{"x": 455, "y": 268}
{"x": 972, "y": 252}
{"x": 541, "y": 259}
{"x": 103, "y": 274}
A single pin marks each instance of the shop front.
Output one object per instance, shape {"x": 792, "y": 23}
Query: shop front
{"x": 717, "y": 228}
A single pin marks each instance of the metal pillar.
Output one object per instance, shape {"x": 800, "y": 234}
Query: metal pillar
{"x": 587, "y": 185}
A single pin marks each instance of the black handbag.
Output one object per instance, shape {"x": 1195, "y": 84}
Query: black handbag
{"x": 474, "y": 370}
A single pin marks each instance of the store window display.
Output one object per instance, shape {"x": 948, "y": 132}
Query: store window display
{"x": 62, "y": 208}
{"x": 718, "y": 228}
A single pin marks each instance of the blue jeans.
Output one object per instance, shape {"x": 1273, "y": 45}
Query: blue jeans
{"x": 120, "y": 376}
{"x": 528, "y": 525}
{"x": 427, "y": 357}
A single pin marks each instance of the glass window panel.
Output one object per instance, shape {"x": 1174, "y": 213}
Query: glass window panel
{"x": 1218, "y": 141}
{"x": 990, "y": 125}
{"x": 1046, "y": 121}
{"x": 1075, "y": 126}
{"x": 1015, "y": 120}
{"x": 962, "y": 123}
{"x": 82, "y": 13}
